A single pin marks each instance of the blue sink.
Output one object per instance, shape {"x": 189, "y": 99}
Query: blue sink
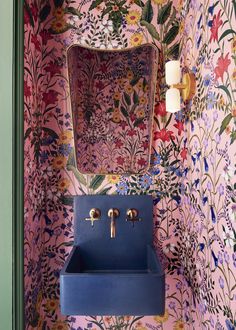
{"x": 112, "y": 276}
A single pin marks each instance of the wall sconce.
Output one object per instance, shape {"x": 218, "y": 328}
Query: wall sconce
{"x": 187, "y": 87}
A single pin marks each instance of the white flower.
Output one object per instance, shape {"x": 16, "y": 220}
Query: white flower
{"x": 232, "y": 212}
{"x": 99, "y": 44}
{"x": 83, "y": 41}
{"x": 228, "y": 236}
{"x": 228, "y": 173}
{"x": 107, "y": 26}
{"x": 169, "y": 248}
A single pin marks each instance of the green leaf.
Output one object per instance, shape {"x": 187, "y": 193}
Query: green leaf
{"x": 50, "y": 132}
{"x": 127, "y": 98}
{"x": 67, "y": 200}
{"x": 71, "y": 158}
{"x": 95, "y": 3}
{"x": 97, "y": 181}
{"x": 151, "y": 29}
{"x": 124, "y": 111}
{"x": 28, "y": 10}
{"x": 225, "y": 89}
{"x": 58, "y": 3}
{"x": 173, "y": 51}
{"x": 171, "y": 35}
{"x": 103, "y": 191}
{"x": 138, "y": 121}
{"x": 135, "y": 98}
{"x": 79, "y": 176}
{"x": 147, "y": 12}
{"x": 226, "y": 32}
{"x": 27, "y": 133}
{"x": 73, "y": 11}
{"x": 164, "y": 13}
{"x": 233, "y": 137}
{"x": 116, "y": 103}
{"x": 139, "y": 3}
{"x": 225, "y": 122}
{"x": 135, "y": 80}
{"x": 44, "y": 12}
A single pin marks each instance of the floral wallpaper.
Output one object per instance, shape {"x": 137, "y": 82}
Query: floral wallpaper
{"x": 113, "y": 134}
{"x": 192, "y": 173}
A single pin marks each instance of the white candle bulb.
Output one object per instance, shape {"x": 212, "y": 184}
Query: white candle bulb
{"x": 173, "y": 72}
{"x": 173, "y": 100}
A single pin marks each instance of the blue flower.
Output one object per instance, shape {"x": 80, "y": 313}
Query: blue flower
{"x": 229, "y": 325}
{"x": 207, "y": 80}
{"x": 65, "y": 149}
{"x": 122, "y": 188}
{"x": 156, "y": 158}
{"x": 211, "y": 9}
{"x": 211, "y": 100}
{"x": 146, "y": 181}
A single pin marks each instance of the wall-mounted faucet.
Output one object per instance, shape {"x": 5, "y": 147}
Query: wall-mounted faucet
{"x": 113, "y": 213}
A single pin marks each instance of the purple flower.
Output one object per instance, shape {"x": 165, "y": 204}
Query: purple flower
{"x": 172, "y": 305}
{"x": 220, "y": 257}
{"x": 221, "y": 282}
{"x": 227, "y": 258}
{"x": 234, "y": 258}
{"x": 221, "y": 189}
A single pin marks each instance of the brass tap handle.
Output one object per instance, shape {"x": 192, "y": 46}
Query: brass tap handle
{"x": 113, "y": 213}
{"x": 94, "y": 214}
{"x": 132, "y": 215}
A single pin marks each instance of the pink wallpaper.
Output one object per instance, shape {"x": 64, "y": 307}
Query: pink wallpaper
{"x": 192, "y": 174}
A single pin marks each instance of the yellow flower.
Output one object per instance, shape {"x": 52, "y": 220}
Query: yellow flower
{"x": 113, "y": 179}
{"x": 60, "y": 325}
{"x": 116, "y": 111}
{"x": 59, "y": 12}
{"x": 136, "y": 39}
{"x": 129, "y": 89}
{"x": 116, "y": 117}
{"x": 51, "y": 305}
{"x": 133, "y": 17}
{"x": 116, "y": 96}
{"x": 59, "y": 25}
{"x": 162, "y": 319}
{"x": 234, "y": 45}
{"x": 63, "y": 184}
{"x": 140, "y": 113}
{"x": 234, "y": 75}
{"x": 234, "y": 111}
{"x": 142, "y": 100}
{"x": 65, "y": 137}
{"x": 140, "y": 85}
{"x": 159, "y": 2}
{"x": 181, "y": 27}
{"x": 221, "y": 101}
{"x": 80, "y": 115}
{"x": 130, "y": 74}
{"x": 146, "y": 88}
{"x": 59, "y": 162}
{"x": 179, "y": 325}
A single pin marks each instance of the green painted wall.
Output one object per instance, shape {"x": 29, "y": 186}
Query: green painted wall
{"x": 6, "y": 28}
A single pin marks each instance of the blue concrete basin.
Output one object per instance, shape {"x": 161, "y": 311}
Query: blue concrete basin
{"x": 120, "y": 276}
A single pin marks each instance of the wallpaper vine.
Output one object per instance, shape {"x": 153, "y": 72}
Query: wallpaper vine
{"x": 192, "y": 174}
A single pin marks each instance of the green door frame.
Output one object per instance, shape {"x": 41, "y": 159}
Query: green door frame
{"x": 18, "y": 166}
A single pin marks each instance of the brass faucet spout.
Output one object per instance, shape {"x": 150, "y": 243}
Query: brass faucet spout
{"x": 113, "y": 213}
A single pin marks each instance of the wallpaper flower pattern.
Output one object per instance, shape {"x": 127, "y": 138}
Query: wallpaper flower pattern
{"x": 192, "y": 174}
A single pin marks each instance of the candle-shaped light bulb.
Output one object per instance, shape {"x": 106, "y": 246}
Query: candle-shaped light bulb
{"x": 173, "y": 100}
{"x": 173, "y": 72}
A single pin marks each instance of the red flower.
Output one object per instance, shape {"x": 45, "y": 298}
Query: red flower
{"x": 222, "y": 66}
{"x": 142, "y": 162}
{"x": 180, "y": 126}
{"x": 120, "y": 160}
{"x": 216, "y": 23}
{"x": 164, "y": 135}
{"x": 145, "y": 145}
{"x": 133, "y": 117}
{"x": 160, "y": 109}
{"x": 142, "y": 126}
{"x": 118, "y": 143}
{"x": 26, "y": 17}
{"x": 99, "y": 85}
{"x": 103, "y": 68}
{"x": 123, "y": 124}
{"x": 131, "y": 132}
{"x": 34, "y": 11}
{"x": 35, "y": 41}
{"x": 184, "y": 153}
{"x": 50, "y": 97}
{"x": 27, "y": 90}
{"x": 53, "y": 68}
{"x": 45, "y": 35}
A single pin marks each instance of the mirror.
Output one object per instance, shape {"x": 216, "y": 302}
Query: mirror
{"x": 112, "y": 98}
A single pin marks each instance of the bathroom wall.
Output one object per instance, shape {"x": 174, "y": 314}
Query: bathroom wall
{"x": 192, "y": 216}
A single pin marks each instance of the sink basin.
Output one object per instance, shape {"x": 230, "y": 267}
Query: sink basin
{"x": 119, "y": 276}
